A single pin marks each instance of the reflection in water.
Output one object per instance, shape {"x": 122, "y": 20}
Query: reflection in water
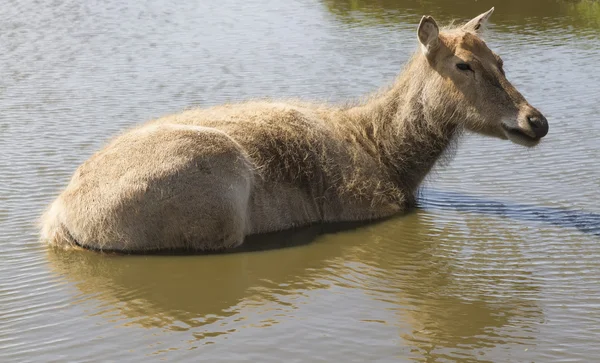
{"x": 539, "y": 14}
{"x": 166, "y": 290}
{"x": 458, "y": 302}
{"x": 454, "y": 304}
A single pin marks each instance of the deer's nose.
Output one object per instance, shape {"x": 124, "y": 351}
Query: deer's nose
{"x": 538, "y": 123}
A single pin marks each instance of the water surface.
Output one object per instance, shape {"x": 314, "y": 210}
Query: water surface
{"x": 500, "y": 263}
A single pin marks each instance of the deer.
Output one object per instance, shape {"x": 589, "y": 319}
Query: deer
{"x": 206, "y": 178}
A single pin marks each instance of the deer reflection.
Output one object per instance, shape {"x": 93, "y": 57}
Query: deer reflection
{"x": 419, "y": 263}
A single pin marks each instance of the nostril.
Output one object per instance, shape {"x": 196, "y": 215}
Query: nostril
{"x": 538, "y": 124}
{"x": 534, "y": 122}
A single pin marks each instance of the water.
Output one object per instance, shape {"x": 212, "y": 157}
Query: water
{"x": 500, "y": 263}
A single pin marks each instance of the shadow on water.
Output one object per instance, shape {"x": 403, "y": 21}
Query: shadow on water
{"x": 536, "y": 14}
{"x": 585, "y": 222}
{"x": 294, "y": 237}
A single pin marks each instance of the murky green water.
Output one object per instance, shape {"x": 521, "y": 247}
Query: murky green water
{"x": 501, "y": 263}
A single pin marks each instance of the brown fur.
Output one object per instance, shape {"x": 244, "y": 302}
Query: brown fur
{"x": 206, "y": 178}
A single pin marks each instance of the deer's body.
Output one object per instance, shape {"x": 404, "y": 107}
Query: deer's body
{"x": 206, "y": 178}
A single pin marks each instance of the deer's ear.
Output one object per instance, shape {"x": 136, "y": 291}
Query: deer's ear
{"x": 429, "y": 35}
{"x": 478, "y": 23}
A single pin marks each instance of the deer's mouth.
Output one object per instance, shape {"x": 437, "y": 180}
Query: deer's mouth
{"x": 520, "y": 136}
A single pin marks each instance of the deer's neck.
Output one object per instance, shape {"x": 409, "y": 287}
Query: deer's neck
{"x": 407, "y": 131}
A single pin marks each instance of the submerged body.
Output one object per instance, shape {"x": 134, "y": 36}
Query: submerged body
{"x": 204, "y": 179}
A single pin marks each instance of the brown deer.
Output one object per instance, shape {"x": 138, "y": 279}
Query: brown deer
{"x": 204, "y": 179}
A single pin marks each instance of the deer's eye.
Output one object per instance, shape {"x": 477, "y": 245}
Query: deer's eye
{"x": 464, "y": 67}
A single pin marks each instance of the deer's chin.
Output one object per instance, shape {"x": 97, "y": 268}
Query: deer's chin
{"x": 518, "y": 136}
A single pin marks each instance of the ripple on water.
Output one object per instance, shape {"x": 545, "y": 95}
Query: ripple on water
{"x": 500, "y": 262}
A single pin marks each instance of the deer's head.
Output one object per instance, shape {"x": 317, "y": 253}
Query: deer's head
{"x": 474, "y": 76}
